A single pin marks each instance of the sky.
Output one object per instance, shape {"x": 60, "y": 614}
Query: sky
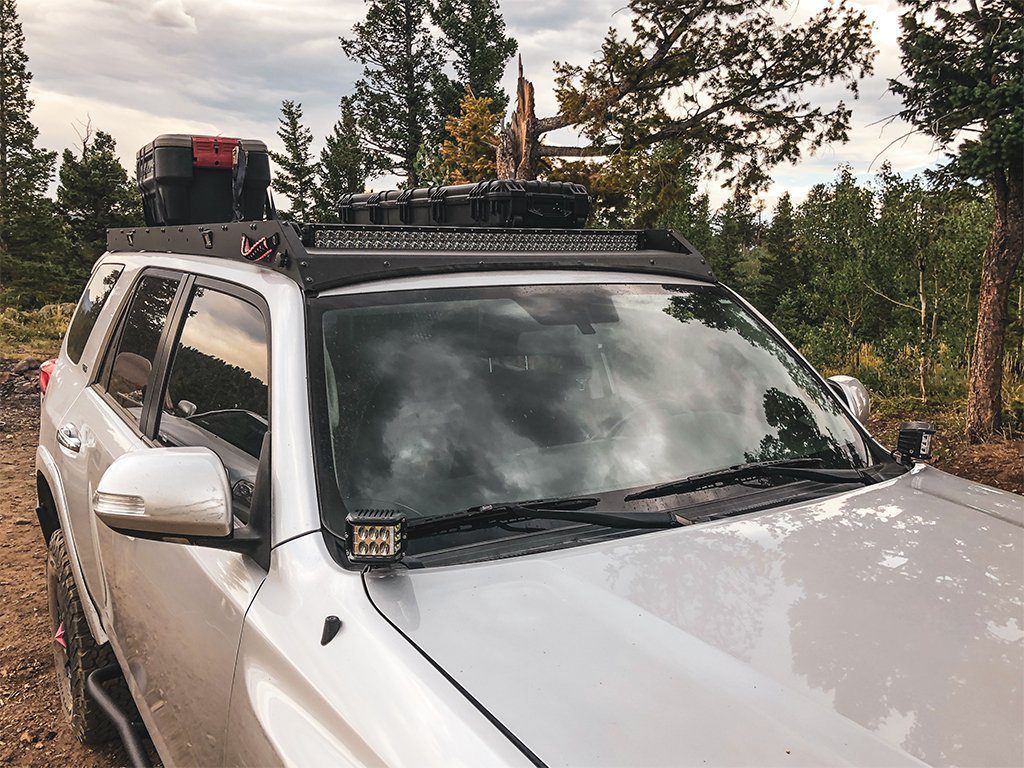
{"x": 139, "y": 68}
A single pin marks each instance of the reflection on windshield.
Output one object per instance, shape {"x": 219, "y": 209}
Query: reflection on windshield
{"x": 444, "y": 399}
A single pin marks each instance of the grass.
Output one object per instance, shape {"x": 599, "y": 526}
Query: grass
{"x": 34, "y": 332}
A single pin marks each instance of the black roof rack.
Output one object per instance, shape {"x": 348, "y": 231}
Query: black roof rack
{"x": 322, "y": 256}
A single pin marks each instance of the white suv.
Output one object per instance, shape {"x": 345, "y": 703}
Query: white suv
{"x": 412, "y": 496}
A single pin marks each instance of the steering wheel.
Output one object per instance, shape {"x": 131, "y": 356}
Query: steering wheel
{"x": 641, "y": 409}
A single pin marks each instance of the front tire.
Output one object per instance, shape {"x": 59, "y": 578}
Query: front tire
{"x": 79, "y": 655}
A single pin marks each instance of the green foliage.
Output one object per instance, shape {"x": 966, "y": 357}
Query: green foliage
{"x": 655, "y": 186}
{"x": 394, "y": 99}
{"x": 94, "y": 195}
{"x": 736, "y": 233}
{"x": 30, "y": 238}
{"x": 781, "y": 268}
{"x": 430, "y": 170}
{"x": 835, "y": 227}
{"x": 343, "y": 166}
{"x": 737, "y": 75}
{"x": 478, "y": 47}
{"x": 963, "y": 64}
{"x": 33, "y": 332}
{"x": 885, "y": 280}
{"x": 296, "y": 175}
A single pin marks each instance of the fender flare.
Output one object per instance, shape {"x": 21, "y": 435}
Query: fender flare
{"x": 47, "y": 467}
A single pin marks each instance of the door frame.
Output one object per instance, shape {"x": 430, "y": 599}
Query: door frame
{"x": 101, "y": 375}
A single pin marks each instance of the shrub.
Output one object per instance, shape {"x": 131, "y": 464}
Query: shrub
{"x": 33, "y": 332}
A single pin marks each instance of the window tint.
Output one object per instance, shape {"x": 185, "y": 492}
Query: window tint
{"x": 217, "y": 389}
{"x": 89, "y": 308}
{"x": 132, "y": 362}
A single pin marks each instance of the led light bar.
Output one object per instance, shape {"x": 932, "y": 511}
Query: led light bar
{"x": 375, "y": 535}
{"x": 511, "y": 240}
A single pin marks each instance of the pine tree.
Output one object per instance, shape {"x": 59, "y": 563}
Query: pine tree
{"x": 781, "y": 266}
{"x": 343, "y": 166}
{"x": 474, "y": 35}
{"x": 394, "y": 98}
{"x": 296, "y": 176}
{"x": 836, "y": 224}
{"x": 30, "y": 237}
{"x": 736, "y": 233}
{"x": 468, "y": 152}
{"x": 94, "y": 195}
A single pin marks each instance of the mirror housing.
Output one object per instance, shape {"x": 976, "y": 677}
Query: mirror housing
{"x": 854, "y": 394}
{"x": 166, "y": 491}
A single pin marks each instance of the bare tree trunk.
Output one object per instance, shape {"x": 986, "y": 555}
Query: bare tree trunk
{"x": 518, "y": 154}
{"x": 1019, "y": 362}
{"x": 1003, "y": 254}
{"x": 968, "y": 350}
{"x": 922, "y": 357}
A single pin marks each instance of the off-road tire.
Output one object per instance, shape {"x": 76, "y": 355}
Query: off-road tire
{"x": 82, "y": 656}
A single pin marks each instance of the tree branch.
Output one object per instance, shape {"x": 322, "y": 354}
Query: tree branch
{"x": 889, "y": 298}
{"x": 601, "y": 150}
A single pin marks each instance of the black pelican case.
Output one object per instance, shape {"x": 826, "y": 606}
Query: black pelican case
{"x": 498, "y": 203}
{"x": 202, "y": 179}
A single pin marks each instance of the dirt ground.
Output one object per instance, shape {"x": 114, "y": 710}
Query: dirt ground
{"x": 32, "y": 729}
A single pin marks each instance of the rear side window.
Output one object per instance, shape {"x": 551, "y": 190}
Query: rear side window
{"x": 217, "y": 391}
{"x": 89, "y": 308}
{"x": 131, "y": 363}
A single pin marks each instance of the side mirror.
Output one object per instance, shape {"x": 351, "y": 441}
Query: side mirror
{"x": 854, "y": 394}
{"x": 168, "y": 491}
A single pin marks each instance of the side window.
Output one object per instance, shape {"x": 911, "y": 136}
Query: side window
{"x": 89, "y": 308}
{"x": 217, "y": 390}
{"x": 131, "y": 362}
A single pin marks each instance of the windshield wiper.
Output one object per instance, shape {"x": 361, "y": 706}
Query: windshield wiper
{"x": 570, "y": 508}
{"x": 797, "y": 469}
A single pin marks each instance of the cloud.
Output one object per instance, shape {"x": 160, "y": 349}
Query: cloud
{"x": 171, "y": 13}
{"x": 138, "y": 68}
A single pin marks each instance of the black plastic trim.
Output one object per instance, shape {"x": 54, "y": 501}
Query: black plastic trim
{"x": 126, "y": 729}
{"x": 165, "y": 347}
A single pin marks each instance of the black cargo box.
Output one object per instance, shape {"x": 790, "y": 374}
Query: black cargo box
{"x": 500, "y": 203}
{"x": 191, "y": 179}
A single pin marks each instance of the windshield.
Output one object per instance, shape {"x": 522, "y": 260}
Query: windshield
{"x": 437, "y": 400}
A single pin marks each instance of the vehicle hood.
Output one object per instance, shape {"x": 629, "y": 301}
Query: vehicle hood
{"x": 878, "y": 627}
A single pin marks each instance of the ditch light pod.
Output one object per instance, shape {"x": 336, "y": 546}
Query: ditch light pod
{"x": 375, "y": 536}
{"x": 915, "y": 440}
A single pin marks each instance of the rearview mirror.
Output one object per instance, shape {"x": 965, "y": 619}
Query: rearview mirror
{"x": 185, "y": 409}
{"x": 171, "y": 491}
{"x": 854, "y": 394}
